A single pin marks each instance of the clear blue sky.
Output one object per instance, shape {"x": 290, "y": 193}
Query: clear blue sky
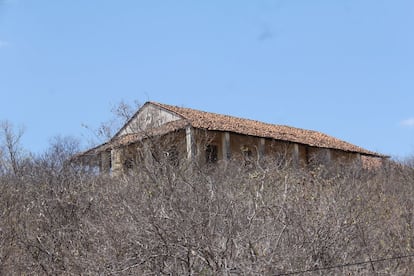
{"x": 342, "y": 67}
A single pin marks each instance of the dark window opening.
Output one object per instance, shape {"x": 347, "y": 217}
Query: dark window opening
{"x": 109, "y": 168}
{"x": 211, "y": 154}
{"x": 129, "y": 164}
{"x": 172, "y": 156}
{"x": 307, "y": 157}
{"x": 247, "y": 154}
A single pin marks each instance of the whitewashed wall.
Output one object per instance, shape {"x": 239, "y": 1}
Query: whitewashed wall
{"x": 149, "y": 116}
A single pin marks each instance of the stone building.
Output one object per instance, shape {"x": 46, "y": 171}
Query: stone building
{"x": 204, "y": 137}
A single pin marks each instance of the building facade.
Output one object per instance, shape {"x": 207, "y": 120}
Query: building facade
{"x": 206, "y": 138}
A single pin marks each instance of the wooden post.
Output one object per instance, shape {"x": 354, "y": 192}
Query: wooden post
{"x": 225, "y": 143}
{"x": 328, "y": 156}
{"x": 105, "y": 162}
{"x": 359, "y": 159}
{"x": 189, "y": 138}
{"x": 261, "y": 148}
{"x": 116, "y": 158}
{"x": 295, "y": 155}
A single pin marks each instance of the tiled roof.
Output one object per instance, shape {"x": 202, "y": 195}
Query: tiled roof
{"x": 219, "y": 122}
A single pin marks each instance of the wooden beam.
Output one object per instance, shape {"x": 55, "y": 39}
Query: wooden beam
{"x": 225, "y": 143}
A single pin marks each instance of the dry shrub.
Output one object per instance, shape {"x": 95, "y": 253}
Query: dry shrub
{"x": 188, "y": 220}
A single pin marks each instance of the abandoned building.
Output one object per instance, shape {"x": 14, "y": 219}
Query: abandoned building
{"x": 206, "y": 138}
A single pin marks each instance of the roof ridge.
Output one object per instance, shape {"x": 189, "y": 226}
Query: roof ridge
{"x": 172, "y": 107}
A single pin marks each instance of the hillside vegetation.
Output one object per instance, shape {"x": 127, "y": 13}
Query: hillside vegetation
{"x": 161, "y": 218}
{"x": 175, "y": 218}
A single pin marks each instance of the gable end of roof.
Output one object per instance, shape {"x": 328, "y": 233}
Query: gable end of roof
{"x": 133, "y": 117}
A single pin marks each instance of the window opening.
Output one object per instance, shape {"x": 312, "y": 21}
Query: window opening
{"x": 211, "y": 154}
{"x": 172, "y": 156}
{"x": 247, "y": 154}
{"x": 129, "y": 164}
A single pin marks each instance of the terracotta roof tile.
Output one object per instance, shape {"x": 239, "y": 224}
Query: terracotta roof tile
{"x": 219, "y": 122}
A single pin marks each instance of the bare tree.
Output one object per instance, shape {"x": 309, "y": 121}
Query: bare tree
{"x": 11, "y": 148}
{"x": 60, "y": 149}
{"x": 121, "y": 113}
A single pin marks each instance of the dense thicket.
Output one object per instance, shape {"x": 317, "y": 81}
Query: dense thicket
{"x": 184, "y": 220}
